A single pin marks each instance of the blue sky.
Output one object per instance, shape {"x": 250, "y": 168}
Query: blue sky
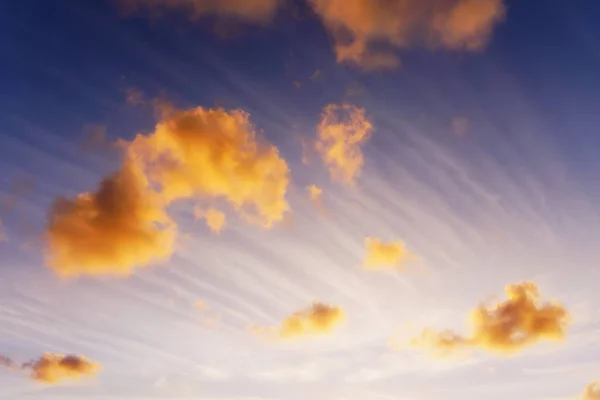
{"x": 512, "y": 198}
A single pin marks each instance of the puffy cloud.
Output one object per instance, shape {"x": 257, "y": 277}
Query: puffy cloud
{"x": 315, "y": 194}
{"x": 199, "y": 153}
{"x": 53, "y": 368}
{"x": 382, "y": 255}
{"x": 359, "y": 26}
{"x": 318, "y": 319}
{"x": 341, "y": 133}
{"x": 252, "y": 11}
{"x": 215, "y": 219}
{"x": 215, "y": 154}
{"x": 506, "y": 327}
{"x": 109, "y": 232}
{"x": 592, "y": 391}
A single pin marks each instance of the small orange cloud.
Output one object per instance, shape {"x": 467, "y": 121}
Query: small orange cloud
{"x": 341, "y": 133}
{"x": 592, "y": 391}
{"x": 134, "y": 96}
{"x": 506, "y": 327}
{"x": 53, "y": 368}
{"x": 318, "y": 319}
{"x": 215, "y": 219}
{"x": 385, "y": 255}
{"x": 315, "y": 194}
{"x": 111, "y": 231}
{"x": 251, "y": 11}
{"x": 360, "y": 28}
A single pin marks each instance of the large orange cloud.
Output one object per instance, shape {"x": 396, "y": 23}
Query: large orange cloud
{"x": 53, "y": 368}
{"x": 359, "y": 26}
{"x": 592, "y": 391}
{"x": 340, "y": 135}
{"x": 253, "y": 11}
{"x": 506, "y": 327}
{"x": 382, "y": 255}
{"x": 213, "y": 155}
{"x": 110, "y": 231}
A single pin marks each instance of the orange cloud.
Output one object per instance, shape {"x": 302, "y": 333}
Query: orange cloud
{"x": 53, "y": 368}
{"x": 385, "y": 255}
{"x": 359, "y": 27}
{"x": 592, "y": 391}
{"x": 215, "y": 219}
{"x": 215, "y": 154}
{"x": 340, "y": 135}
{"x": 111, "y": 231}
{"x": 252, "y": 11}
{"x": 506, "y": 327}
{"x": 318, "y": 319}
{"x": 315, "y": 193}
{"x": 200, "y": 153}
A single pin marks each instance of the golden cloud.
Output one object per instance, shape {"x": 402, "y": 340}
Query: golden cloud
{"x": 196, "y": 153}
{"x": 358, "y": 26}
{"x": 111, "y": 231}
{"x": 215, "y": 219}
{"x": 318, "y": 319}
{"x": 252, "y": 11}
{"x": 315, "y": 194}
{"x": 53, "y": 368}
{"x": 592, "y": 391}
{"x": 215, "y": 154}
{"x": 341, "y": 133}
{"x": 506, "y": 327}
{"x": 382, "y": 255}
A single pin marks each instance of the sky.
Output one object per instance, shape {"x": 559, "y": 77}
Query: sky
{"x": 291, "y": 199}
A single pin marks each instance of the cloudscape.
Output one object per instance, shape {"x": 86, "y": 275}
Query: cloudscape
{"x": 300, "y": 199}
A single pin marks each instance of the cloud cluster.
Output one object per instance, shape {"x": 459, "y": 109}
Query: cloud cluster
{"x": 360, "y": 28}
{"x": 506, "y": 327}
{"x": 215, "y": 219}
{"x": 592, "y": 391}
{"x": 342, "y": 132}
{"x": 382, "y": 255}
{"x": 251, "y": 11}
{"x": 318, "y": 319}
{"x": 206, "y": 154}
